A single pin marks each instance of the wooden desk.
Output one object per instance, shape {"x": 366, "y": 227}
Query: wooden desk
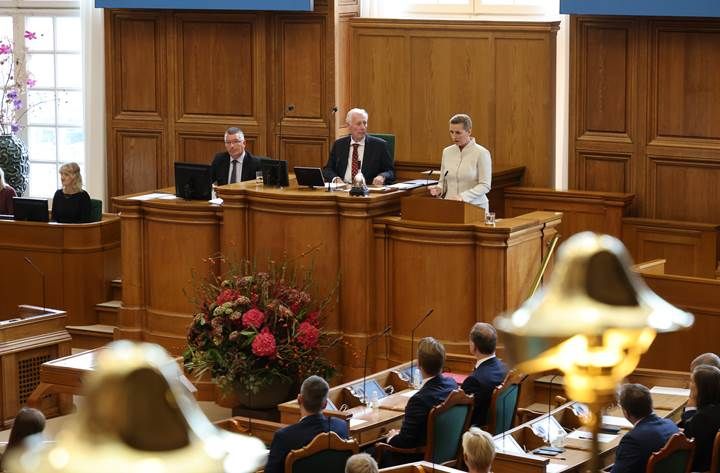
{"x": 79, "y": 262}
{"x": 420, "y": 467}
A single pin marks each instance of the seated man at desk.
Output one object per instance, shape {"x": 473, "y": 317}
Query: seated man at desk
{"x": 312, "y": 400}
{"x": 236, "y": 164}
{"x": 435, "y": 389}
{"x": 489, "y": 370}
{"x": 649, "y": 432}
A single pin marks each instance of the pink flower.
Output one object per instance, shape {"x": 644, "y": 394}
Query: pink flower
{"x": 264, "y": 344}
{"x": 30, "y": 35}
{"x": 5, "y": 48}
{"x": 227, "y": 295}
{"x": 31, "y": 82}
{"x": 253, "y": 318}
{"x": 308, "y": 335}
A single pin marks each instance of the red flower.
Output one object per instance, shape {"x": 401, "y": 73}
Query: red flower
{"x": 308, "y": 335}
{"x": 314, "y": 318}
{"x": 264, "y": 344}
{"x": 253, "y": 318}
{"x": 227, "y": 295}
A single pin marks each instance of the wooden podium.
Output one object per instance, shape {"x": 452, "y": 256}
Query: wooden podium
{"x": 431, "y": 209}
{"x": 34, "y": 336}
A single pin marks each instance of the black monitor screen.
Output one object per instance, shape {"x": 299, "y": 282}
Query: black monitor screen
{"x": 311, "y": 177}
{"x": 275, "y": 172}
{"x": 192, "y": 181}
{"x": 31, "y": 210}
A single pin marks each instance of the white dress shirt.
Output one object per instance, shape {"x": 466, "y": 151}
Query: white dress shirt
{"x": 361, "y": 151}
{"x": 238, "y": 168}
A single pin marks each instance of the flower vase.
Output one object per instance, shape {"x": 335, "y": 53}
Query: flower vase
{"x": 14, "y": 161}
{"x": 268, "y": 397}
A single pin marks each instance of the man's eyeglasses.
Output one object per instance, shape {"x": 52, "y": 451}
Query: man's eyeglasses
{"x": 233, "y": 142}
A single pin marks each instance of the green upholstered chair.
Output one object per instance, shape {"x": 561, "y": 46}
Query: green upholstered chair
{"x": 327, "y": 452}
{"x": 389, "y": 139}
{"x": 503, "y": 404}
{"x": 446, "y": 424}
{"x": 675, "y": 457}
{"x": 96, "y": 210}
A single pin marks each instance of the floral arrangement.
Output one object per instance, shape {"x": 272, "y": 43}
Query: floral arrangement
{"x": 15, "y": 82}
{"x": 254, "y": 327}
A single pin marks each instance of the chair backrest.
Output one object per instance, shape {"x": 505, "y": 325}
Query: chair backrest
{"x": 389, "y": 139}
{"x": 675, "y": 456}
{"x": 715, "y": 464}
{"x": 503, "y": 404}
{"x": 446, "y": 424}
{"x": 327, "y": 452}
{"x": 96, "y": 208}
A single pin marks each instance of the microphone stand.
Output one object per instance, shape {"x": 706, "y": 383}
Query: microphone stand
{"x": 412, "y": 343}
{"x": 365, "y": 362}
{"x": 549, "y": 407}
{"x": 42, "y": 275}
{"x": 444, "y": 180}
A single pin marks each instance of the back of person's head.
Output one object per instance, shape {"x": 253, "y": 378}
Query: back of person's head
{"x": 431, "y": 356}
{"x": 361, "y": 463}
{"x": 73, "y": 169}
{"x": 478, "y": 450}
{"x": 484, "y": 337}
{"x": 462, "y": 119}
{"x": 314, "y": 391}
{"x": 28, "y": 422}
{"x": 707, "y": 384}
{"x": 706, "y": 359}
{"x": 635, "y": 399}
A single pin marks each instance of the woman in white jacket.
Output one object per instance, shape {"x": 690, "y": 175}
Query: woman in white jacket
{"x": 466, "y": 169}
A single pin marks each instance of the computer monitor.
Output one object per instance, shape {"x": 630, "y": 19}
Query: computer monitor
{"x": 275, "y": 172}
{"x": 311, "y": 177}
{"x": 193, "y": 181}
{"x": 31, "y": 210}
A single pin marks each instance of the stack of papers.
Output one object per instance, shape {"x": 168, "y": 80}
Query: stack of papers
{"x": 617, "y": 422}
{"x": 584, "y": 435}
{"x": 671, "y": 391}
{"x": 153, "y": 196}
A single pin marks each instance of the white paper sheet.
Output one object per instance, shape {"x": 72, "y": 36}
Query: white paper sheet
{"x": 217, "y": 200}
{"x": 356, "y": 422}
{"x": 584, "y": 435}
{"x": 671, "y": 391}
{"x": 410, "y": 393}
{"x": 617, "y": 421}
{"x": 153, "y": 195}
{"x": 555, "y": 467}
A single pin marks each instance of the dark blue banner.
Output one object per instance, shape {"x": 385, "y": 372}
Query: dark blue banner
{"x": 274, "y": 5}
{"x": 701, "y": 8}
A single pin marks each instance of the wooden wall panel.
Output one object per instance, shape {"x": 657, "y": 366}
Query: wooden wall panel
{"x": 683, "y": 189}
{"x": 198, "y": 147}
{"x": 139, "y": 167}
{"x": 604, "y": 172}
{"x": 305, "y": 152}
{"x": 302, "y": 65}
{"x": 413, "y": 75}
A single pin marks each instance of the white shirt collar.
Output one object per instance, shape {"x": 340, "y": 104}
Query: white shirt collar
{"x": 361, "y": 142}
{"x": 481, "y": 360}
{"x": 239, "y": 158}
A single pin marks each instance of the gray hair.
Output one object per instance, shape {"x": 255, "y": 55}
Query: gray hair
{"x": 355, "y": 111}
{"x": 233, "y": 130}
{"x": 706, "y": 359}
{"x": 361, "y": 463}
{"x": 463, "y": 119}
{"x": 314, "y": 392}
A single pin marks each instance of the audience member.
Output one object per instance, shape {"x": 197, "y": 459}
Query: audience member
{"x": 489, "y": 370}
{"x": 690, "y": 408}
{"x": 704, "y": 425}
{"x": 312, "y": 400}
{"x": 71, "y": 204}
{"x": 361, "y": 463}
{"x": 359, "y": 152}
{"x": 478, "y": 450}
{"x": 6, "y": 195}
{"x": 466, "y": 168}
{"x": 27, "y": 422}
{"x": 649, "y": 433}
{"x": 236, "y": 164}
{"x": 435, "y": 389}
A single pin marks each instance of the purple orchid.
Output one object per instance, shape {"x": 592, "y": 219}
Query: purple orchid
{"x": 30, "y": 35}
{"x": 5, "y": 48}
{"x": 17, "y": 103}
{"x": 12, "y": 94}
{"x": 14, "y": 127}
{"x": 31, "y": 82}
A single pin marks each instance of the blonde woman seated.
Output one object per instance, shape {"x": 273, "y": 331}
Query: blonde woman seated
{"x": 478, "y": 450}
{"x": 466, "y": 169}
{"x": 71, "y": 204}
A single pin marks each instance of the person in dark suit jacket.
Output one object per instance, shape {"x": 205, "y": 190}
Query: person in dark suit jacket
{"x": 374, "y": 161}
{"x": 489, "y": 371}
{"x": 245, "y": 168}
{"x": 435, "y": 389}
{"x": 312, "y": 400}
{"x": 704, "y": 425}
{"x": 649, "y": 434}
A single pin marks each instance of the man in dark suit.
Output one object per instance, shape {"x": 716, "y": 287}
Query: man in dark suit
{"x": 236, "y": 164}
{"x": 649, "y": 432}
{"x": 489, "y": 370}
{"x": 312, "y": 400}
{"x": 359, "y": 152}
{"x": 435, "y": 389}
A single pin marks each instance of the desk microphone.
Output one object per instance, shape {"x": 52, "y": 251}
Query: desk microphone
{"x": 42, "y": 275}
{"x": 412, "y": 343}
{"x": 367, "y": 347}
{"x": 444, "y": 180}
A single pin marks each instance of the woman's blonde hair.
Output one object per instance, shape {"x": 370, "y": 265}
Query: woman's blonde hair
{"x": 478, "y": 449}
{"x": 2, "y": 179}
{"x": 74, "y": 170}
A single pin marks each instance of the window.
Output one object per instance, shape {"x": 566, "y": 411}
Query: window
{"x": 483, "y": 7}
{"x": 53, "y": 126}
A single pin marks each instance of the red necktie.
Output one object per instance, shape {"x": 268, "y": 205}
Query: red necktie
{"x": 355, "y": 161}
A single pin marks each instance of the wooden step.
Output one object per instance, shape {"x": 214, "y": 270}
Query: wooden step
{"x": 90, "y": 336}
{"x": 116, "y": 288}
{"x": 107, "y": 312}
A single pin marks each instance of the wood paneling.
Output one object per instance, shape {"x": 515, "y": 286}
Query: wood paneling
{"x": 304, "y": 152}
{"x": 198, "y": 147}
{"x": 645, "y": 113}
{"x": 689, "y": 249}
{"x": 413, "y": 75}
{"x": 139, "y": 166}
{"x": 302, "y": 66}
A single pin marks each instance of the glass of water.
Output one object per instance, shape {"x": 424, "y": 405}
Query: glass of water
{"x": 490, "y": 218}
{"x": 259, "y": 178}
